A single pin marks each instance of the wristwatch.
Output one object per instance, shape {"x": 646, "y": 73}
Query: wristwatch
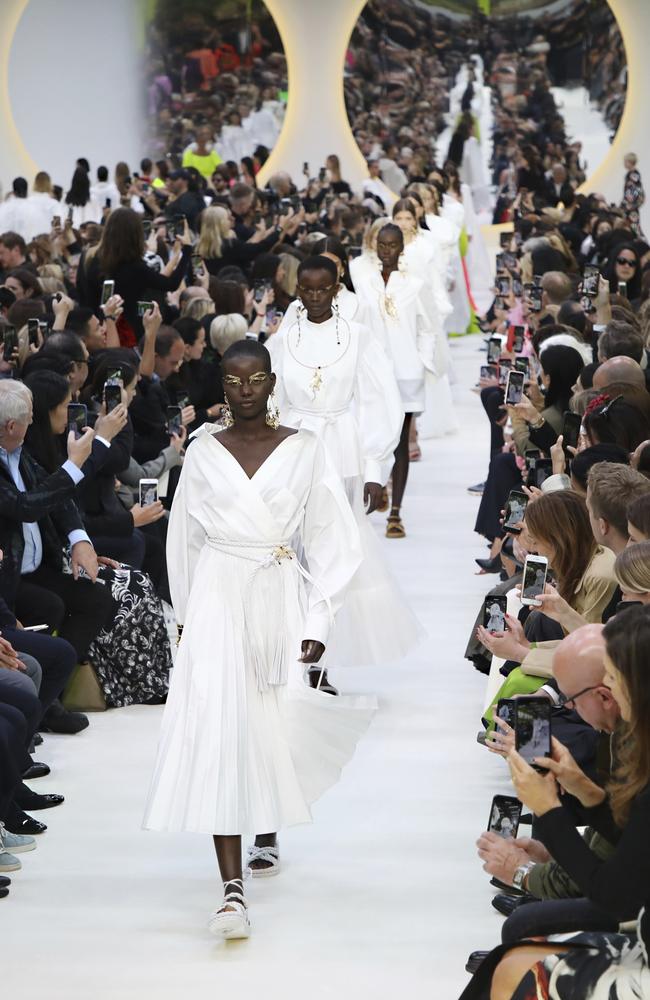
{"x": 521, "y": 873}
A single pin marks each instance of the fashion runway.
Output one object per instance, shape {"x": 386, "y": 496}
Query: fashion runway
{"x": 384, "y": 891}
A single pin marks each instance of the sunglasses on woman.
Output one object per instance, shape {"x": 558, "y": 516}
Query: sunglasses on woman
{"x": 625, "y": 261}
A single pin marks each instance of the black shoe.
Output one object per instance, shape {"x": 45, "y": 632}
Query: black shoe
{"x": 37, "y": 739}
{"x": 505, "y": 902}
{"x": 504, "y": 887}
{"x": 58, "y": 720}
{"x": 3, "y": 893}
{"x": 19, "y": 822}
{"x": 25, "y": 798}
{"x": 526, "y": 819}
{"x": 490, "y": 565}
{"x": 4, "y": 882}
{"x": 35, "y": 770}
{"x": 475, "y": 960}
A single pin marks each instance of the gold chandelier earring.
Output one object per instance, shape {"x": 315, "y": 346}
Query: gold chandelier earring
{"x": 272, "y": 412}
{"x": 227, "y": 419}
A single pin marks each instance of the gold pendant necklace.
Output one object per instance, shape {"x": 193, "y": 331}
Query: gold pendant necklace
{"x": 316, "y": 381}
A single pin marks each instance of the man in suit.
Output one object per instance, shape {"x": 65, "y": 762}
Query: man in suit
{"x": 38, "y": 517}
{"x": 557, "y": 187}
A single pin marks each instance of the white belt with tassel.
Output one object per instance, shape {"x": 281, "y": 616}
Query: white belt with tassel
{"x": 270, "y": 666}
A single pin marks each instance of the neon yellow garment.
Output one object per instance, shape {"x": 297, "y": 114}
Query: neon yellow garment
{"x": 204, "y": 164}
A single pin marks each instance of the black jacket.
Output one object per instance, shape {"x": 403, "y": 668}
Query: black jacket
{"x": 48, "y": 501}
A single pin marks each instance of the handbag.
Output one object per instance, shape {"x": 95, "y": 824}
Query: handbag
{"x": 83, "y": 692}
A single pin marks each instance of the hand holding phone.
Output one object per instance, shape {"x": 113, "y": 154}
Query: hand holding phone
{"x": 494, "y": 613}
{"x": 515, "y": 511}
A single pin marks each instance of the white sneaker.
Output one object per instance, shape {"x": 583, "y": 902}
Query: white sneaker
{"x": 8, "y": 863}
{"x": 16, "y": 843}
{"x": 231, "y": 921}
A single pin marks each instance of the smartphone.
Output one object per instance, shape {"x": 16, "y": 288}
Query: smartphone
{"x": 322, "y": 174}
{"x": 10, "y": 342}
{"x": 197, "y": 263}
{"x": 505, "y": 813}
{"x": 146, "y": 228}
{"x": 590, "y": 281}
{"x": 509, "y": 260}
{"x": 517, "y": 287}
{"x": 35, "y": 628}
{"x": 533, "y": 728}
{"x": 543, "y": 469}
{"x": 112, "y": 394}
{"x": 505, "y": 240}
{"x": 70, "y": 214}
{"x": 534, "y": 581}
{"x": 108, "y": 289}
{"x": 571, "y": 424}
{"x": 77, "y": 418}
{"x": 489, "y": 371}
{"x": 531, "y": 455}
{"x": 174, "y": 419}
{"x": 501, "y": 264}
{"x": 115, "y": 375}
{"x": 33, "y": 328}
{"x": 183, "y": 401}
{"x": 506, "y": 710}
{"x": 260, "y": 288}
{"x": 285, "y": 206}
{"x": 503, "y": 286}
{"x": 144, "y": 307}
{"x": 515, "y": 511}
{"x": 519, "y": 333}
{"x": 56, "y": 222}
{"x": 305, "y": 169}
{"x": 148, "y": 490}
{"x": 494, "y": 613}
{"x": 499, "y": 303}
{"x": 494, "y": 350}
{"x": 505, "y": 364}
{"x": 622, "y": 288}
{"x": 522, "y": 365}
{"x": 514, "y": 387}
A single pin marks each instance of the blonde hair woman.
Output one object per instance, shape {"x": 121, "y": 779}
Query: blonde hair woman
{"x": 632, "y": 569}
{"x": 215, "y": 229}
{"x": 289, "y": 278}
{"x": 219, "y": 247}
{"x": 226, "y": 330}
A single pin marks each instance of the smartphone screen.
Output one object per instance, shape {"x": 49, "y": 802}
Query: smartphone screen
{"x": 260, "y": 290}
{"x": 534, "y": 579}
{"x": 505, "y": 814}
{"x": 501, "y": 264}
{"x": 518, "y": 342}
{"x": 535, "y": 299}
{"x": 505, "y": 240}
{"x": 622, "y": 288}
{"x": 522, "y": 365}
{"x": 494, "y": 613}
{"x": 108, "y": 289}
{"x": 503, "y": 286}
{"x": 10, "y": 342}
{"x": 514, "y": 387}
{"x": 197, "y": 263}
{"x": 533, "y": 728}
{"x": 112, "y": 395}
{"x": 489, "y": 371}
{"x": 530, "y": 457}
{"x": 33, "y": 329}
{"x": 77, "y": 418}
{"x": 144, "y": 307}
{"x": 543, "y": 469}
{"x": 148, "y": 492}
{"x": 517, "y": 287}
{"x": 506, "y": 710}
{"x": 494, "y": 350}
{"x": 515, "y": 511}
{"x": 571, "y": 429}
{"x": 174, "y": 419}
{"x": 590, "y": 281}
{"x": 504, "y": 370}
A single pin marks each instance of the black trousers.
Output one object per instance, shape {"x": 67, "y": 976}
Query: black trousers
{"x": 57, "y": 658}
{"x": 492, "y": 400}
{"x": 77, "y": 609}
{"x": 18, "y": 694}
{"x": 13, "y": 735}
{"x": 556, "y": 916}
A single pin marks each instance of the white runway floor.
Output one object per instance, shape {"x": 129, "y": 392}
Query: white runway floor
{"x": 383, "y": 895}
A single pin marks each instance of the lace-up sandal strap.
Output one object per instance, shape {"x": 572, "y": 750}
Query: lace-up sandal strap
{"x": 269, "y": 855}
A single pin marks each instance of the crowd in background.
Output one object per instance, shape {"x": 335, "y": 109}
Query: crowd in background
{"x": 217, "y": 81}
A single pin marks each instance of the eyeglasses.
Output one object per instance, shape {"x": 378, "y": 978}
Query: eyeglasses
{"x": 257, "y": 378}
{"x": 315, "y": 291}
{"x": 564, "y": 701}
{"x": 626, "y": 261}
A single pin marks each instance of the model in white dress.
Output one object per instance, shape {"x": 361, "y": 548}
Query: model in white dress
{"x": 335, "y": 379}
{"x": 246, "y": 746}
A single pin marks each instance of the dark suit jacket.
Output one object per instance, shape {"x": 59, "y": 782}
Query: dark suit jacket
{"x": 148, "y": 412}
{"x": 48, "y": 501}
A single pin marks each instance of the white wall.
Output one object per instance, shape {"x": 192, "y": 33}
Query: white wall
{"x": 73, "y": 86}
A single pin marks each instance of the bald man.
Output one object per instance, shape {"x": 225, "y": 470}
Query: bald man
{"x": 619, "y": 369}
{"x": 579, "y": 670}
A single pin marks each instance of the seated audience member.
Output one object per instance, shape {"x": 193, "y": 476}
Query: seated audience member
{"x": 38, "y": 517}
{"x": 149, "y": 409}
{"x": 195, "y": 380}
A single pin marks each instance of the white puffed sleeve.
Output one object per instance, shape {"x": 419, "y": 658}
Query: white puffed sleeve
{"x": 185, "y": 535}
{"x": 379, "y": 408}
{"x": 331, "y": 544}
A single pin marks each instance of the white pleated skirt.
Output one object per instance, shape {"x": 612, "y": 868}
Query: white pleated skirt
{"x": 234, "y": 759}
